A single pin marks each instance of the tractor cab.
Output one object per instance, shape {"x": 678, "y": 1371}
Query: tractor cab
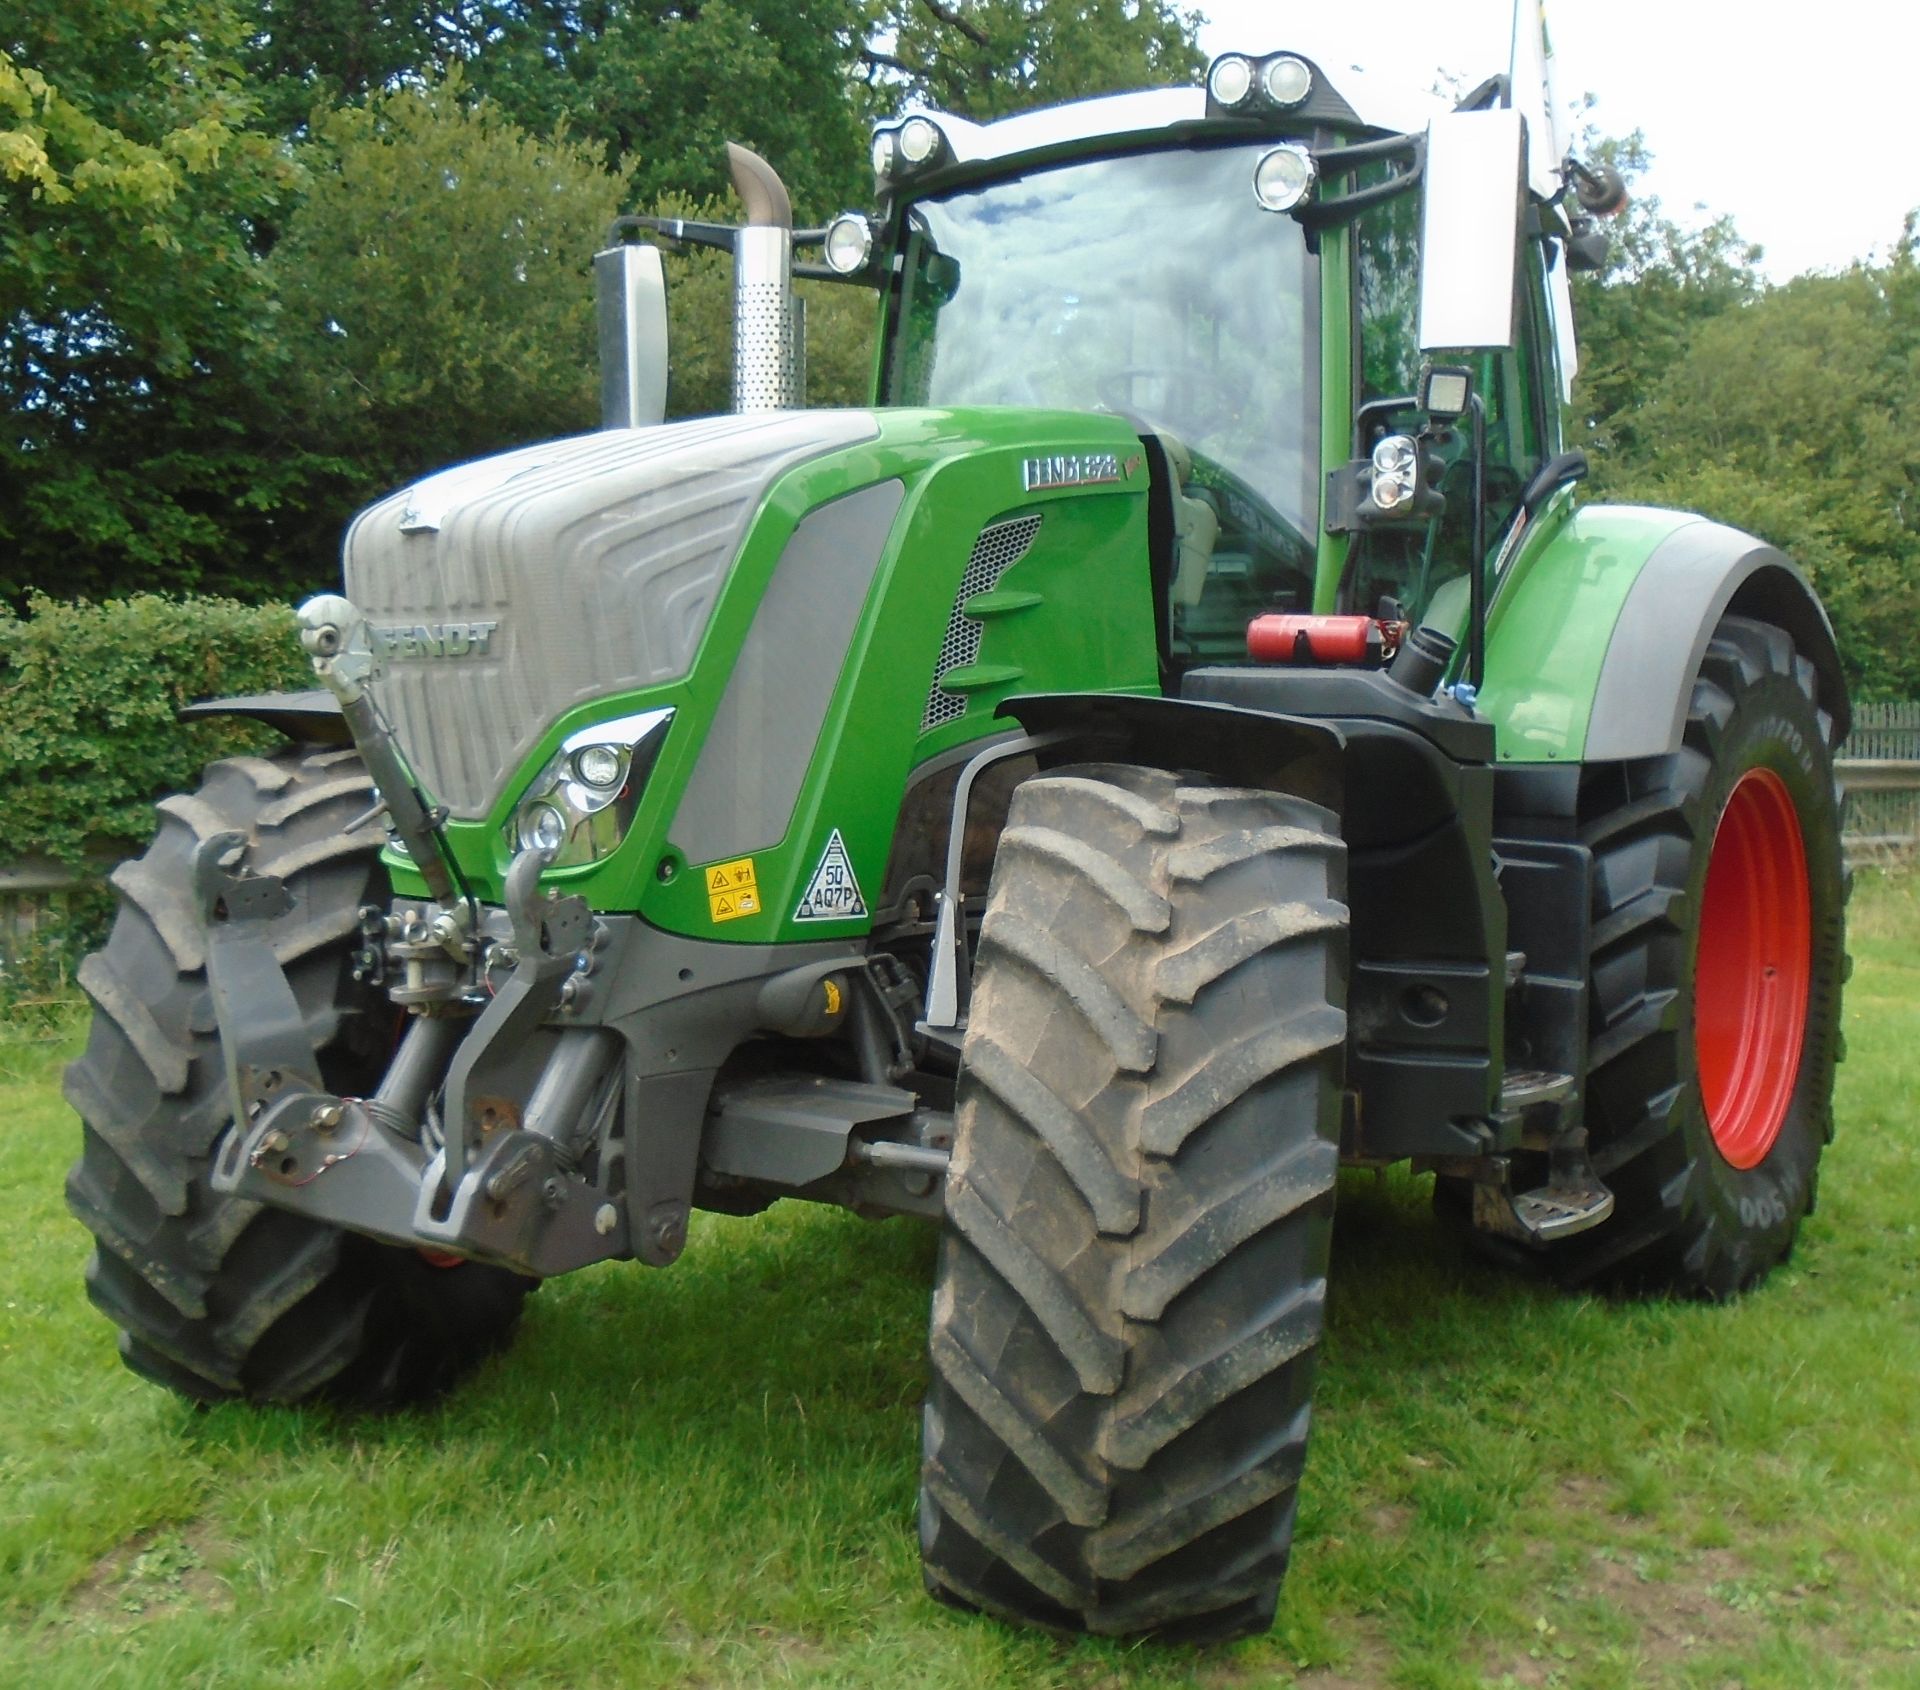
{"x": 1239, "y": 271}
{"x": 1150, "y": 284}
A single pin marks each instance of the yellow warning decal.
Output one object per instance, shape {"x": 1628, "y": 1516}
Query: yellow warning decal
{"x": 732, "y": 890}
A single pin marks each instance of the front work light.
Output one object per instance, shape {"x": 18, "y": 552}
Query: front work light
{"x": 1446, "y": 390}
{"x": 1283, "y": 178}
{"x": 907, "y": 148}
{"x": 581, "y": 804}
{"x": 1242, "y": 86}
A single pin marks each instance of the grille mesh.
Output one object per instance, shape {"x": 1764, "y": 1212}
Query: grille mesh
{"x": 997, "y": 550}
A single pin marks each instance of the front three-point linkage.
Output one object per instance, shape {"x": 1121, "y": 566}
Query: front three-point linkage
{"x": 485, "y": 1181}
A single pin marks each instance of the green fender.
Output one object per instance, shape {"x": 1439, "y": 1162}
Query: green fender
{"x": 1598, "y": 626}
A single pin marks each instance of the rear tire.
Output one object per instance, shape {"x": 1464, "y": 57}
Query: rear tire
{"x": 1132, "y": 1277}
{"x": 1708, "y": 1198}
{"x": 216, "y": 1296}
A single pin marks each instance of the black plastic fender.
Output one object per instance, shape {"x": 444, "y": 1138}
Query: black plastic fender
{"x": 313, "y": 717}
{"x": 1252, "y": 748}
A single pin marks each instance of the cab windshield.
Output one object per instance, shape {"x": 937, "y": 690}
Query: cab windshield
{"x": 1151, "y": 285}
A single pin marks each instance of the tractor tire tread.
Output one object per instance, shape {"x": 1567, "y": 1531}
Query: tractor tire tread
{"x": 215, "y": 1296}
{"x": 1131, "y": 1291}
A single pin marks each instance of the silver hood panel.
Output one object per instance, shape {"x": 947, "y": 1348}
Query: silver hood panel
{"x": 558, "y": 573}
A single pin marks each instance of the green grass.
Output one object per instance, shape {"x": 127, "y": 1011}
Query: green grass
{"x": 706, "y": 1476}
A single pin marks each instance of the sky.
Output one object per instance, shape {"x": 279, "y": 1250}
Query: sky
{"x": 1743, "y": 103}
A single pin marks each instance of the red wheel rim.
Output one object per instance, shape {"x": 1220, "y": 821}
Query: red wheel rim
{"x": 1753, "y": 969}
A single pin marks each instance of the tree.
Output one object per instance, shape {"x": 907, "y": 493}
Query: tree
{"x": 1638, "y": 315}
{"x": 661, "y": 85}
{"x": 434, "y": 289}
{"x": 308, "y": 55}
{"x": 133, "y": 194}
{"x": 1794, "y": 417}
{"x": 664, "y": 86}
{"x": 987, "y": 58}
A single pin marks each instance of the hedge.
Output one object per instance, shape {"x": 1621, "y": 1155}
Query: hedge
{"x": 88, "y": 739}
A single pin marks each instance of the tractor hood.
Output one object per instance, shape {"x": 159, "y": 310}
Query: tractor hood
{"x": 820, "y": 602}
{"x": 499, "y": 594}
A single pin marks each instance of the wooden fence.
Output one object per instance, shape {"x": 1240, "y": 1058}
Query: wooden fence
{"x": 1884, "y": 731}
{"x": 1879, "y": 769}
{"x": 34, "y": 894}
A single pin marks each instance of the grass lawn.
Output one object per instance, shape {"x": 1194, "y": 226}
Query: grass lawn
{"x": 706, "y": 1476}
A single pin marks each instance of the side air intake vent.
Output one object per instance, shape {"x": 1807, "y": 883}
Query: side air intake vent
{"x": 997, "y": 550}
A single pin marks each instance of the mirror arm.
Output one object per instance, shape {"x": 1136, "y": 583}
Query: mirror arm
{"x": 1378, "y": 408}
{"x": 1550, "y": 477}
{"x": 873, "y": 281}
{"x": 1477, "y": 588}
{"x": 680, "y": 230}
{"x": 1320, "y": 213}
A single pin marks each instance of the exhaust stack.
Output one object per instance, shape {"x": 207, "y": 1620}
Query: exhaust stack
{"x": 766, "y": 364}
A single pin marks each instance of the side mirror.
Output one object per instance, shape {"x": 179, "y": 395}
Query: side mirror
{"x": 1588, "y": 248}
{"x": 1470, "y": 237}
{"x": 1601, "y": 192}
{"x": 631, "y": 284}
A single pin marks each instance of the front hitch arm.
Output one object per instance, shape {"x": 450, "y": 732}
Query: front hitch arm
{"x": 549, "y": 934}
{"x": 334, "y": 634}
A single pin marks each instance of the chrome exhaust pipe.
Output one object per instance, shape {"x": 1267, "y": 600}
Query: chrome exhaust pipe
{"x": 766, "y": 365}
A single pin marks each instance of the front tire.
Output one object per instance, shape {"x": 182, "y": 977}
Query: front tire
{"x": 216, "y": 1296}
{"x": 1717, "y": 962}
{"x": 1132, "y": 1278}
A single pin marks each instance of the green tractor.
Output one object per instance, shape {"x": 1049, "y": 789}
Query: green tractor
{"x": 1182, "y": 738}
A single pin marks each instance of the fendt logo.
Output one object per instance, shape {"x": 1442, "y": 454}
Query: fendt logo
{"x": 1075, "y": 469}
{"x": 432, "y": 639}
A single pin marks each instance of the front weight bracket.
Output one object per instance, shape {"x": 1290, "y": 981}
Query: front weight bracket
{"x": 263, "y": 1034}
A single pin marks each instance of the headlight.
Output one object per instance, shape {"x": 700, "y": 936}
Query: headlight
{"x": 883, "y": 156}
{"x": 1396, "y": 471}
{"x": 1284, "y": 177}
{"x": 849, "y": 244}
{"x": 919, "y": 140}
{"x": 580, "y": 805}
{"x": 599, "y": 766}
{"x": 542, "y": 828}
{"x": 1287, "y": 80}
{"x": 1231, "y": 79}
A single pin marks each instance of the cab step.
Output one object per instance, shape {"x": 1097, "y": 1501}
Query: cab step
{"x": 1529, "y": 1088}
{"x": 1549, "y": 1211}
{"x": 1543, "y": 1215}
{"x": 1573, "y": 1199}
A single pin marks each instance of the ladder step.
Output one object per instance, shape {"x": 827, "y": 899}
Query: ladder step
{"x": 1551, "y": 1212}
{"x": 1526, "y": 1088}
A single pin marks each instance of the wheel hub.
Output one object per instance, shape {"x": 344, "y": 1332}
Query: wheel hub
{"x": 1753, "y": 968}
